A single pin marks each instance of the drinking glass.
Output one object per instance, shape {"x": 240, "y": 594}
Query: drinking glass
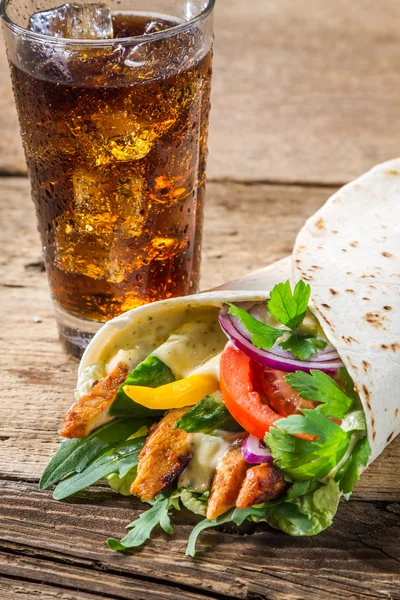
{"x": 113, "y": 103}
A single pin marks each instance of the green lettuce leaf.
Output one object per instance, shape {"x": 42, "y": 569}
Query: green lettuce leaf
{"x": 349, "y": 474}
{"x": 117, "y": 460}
{"x": 74, "y": 455}
{"x": 207, "y": 416}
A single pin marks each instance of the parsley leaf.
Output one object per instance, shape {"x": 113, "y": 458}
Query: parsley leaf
{"x": 141, "y": 528}
{"x": 262, "y": 336}
{"x": 289, "y": 308}
{"x": 302, "y": 347}
{"x": 318, "y": 386}
{"x": 300, "y": 458}
{"x": 350, "y": 472}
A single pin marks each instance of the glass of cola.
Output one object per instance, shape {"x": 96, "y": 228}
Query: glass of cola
{"x": 113, "y": 102}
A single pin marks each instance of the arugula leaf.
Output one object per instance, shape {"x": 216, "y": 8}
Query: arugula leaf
{"x": 289, "y": 308}
{"x": 206, "y": 524}
{"x": 74, "y": 455}
{"x": 152, "y": 372}
{"x": 350, "y": 472}
{"x": 302, "y": 347}
{"x": 262, "y": 336}
{"x": 141, "y": 528}
{"x": 207, "y": 416}
{"x": 300, "y": 458}
{"x": 117, "y": 460}
{"x": 318, "y": 386}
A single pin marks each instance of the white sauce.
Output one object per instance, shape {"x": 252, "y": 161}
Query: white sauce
{"x": 130, "y": 358}
{"x": 207, "y": 451}
{"x": 191, "y": 346}
{"x": 88, "y": 377}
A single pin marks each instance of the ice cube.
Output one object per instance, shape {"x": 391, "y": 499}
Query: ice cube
{"x": 89, "y": 21}
{"x": 49, "y": 22}
{"x": 105, "y": 201}
{"x": 80, "y": 253}
{"x": 94, "y": 209}
{"x": 80, "y": 21}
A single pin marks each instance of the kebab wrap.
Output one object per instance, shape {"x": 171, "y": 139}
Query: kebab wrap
{"x": 261, "y": 400}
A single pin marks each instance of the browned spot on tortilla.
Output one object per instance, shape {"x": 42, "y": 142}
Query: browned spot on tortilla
{"x": 344, "y": 250}
{"x": 395, "y": 346}
{"x": 349, "y": 273}
{"x": 354, "y": 244}
{"x": 392, "y": 172}
{"x": 391, "y": 436}
{"x": 349, "y": 339}
{"x": 387, "y": 308}
{"x": 372, "y": 287}
{"x": 366, "y": 365}
{"x": 315, "y": 267}
{"x": 326, "y": 305}
{"x": 375, "y": 319}
{"x": 333, "y": 292}
{"x": 384, "y": 347}
{"x": 367, "y": 396}
{"x": 350, "y": 291}
{"x": 367, "y": 276}
{"x": 366, "y": 298}
{"x": 319, "y": 224}
{"x": 396, "y": 412}
{"x": 373, "y": 434}
{"x": 335, "y": 231}
{"x": 387, "y": 255}
{"x": 298, "y": 261}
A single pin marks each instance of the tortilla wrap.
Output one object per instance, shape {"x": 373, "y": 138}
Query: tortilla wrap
{"x": 349, "y": 252}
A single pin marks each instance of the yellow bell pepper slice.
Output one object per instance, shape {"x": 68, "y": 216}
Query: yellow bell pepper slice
{"x": 184, "y": 392}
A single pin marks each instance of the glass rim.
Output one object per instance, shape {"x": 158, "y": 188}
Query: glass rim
{"x": 137, "y": 39}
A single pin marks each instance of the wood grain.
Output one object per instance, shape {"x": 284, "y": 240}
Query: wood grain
{"x": 302, "y": 91}
{"x": 358, "y": 557}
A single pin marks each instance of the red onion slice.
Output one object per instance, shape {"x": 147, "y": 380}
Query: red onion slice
{"x": 282, "y": 361}
{"x": 255, "y": 452}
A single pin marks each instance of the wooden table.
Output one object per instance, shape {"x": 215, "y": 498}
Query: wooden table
{"x": 305, "y": 98}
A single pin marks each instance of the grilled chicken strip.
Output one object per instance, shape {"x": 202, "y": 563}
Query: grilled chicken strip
{"x": 262, "y": 482}
{"x": 163, "y": 457}
{"x": 91, "y": 410}
{"x": 228, "y": 479}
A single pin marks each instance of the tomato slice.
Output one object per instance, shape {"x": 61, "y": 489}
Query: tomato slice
{"x": 280, "y": 395}
{"x": 240, "y": 397}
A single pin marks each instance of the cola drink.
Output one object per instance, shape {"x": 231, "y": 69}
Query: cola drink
{"x": 115, "y": 138}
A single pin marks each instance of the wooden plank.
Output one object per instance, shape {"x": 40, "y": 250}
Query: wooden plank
{"x": 357, "y": 558}
{"x": 302, "y": 91}
{"x": 26, "y": 590}
{"x": 37, "y": 377}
